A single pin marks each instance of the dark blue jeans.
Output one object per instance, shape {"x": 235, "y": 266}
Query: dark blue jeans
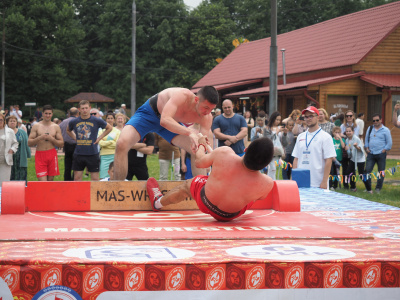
{"x": 380, "y": 160}
{"x": 288, "y": 172}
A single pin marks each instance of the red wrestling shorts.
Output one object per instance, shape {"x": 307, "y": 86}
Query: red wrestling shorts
{"x": 46, "y": 163}
{"x": 198, "y": 193}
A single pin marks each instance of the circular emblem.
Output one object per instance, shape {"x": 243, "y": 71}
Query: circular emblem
{"x": 93, "y": 280}
{"x": 235, "y": 277}
{"x": 255, "y": 278}
{"x": 390, "y": 276}
{"x": 113, "y": 279}
{"x": 313, "y": 276}
{"x": 134, "y": 280}
{"x": 274, "y": 277}
{"x": 175, "y": 279}
{"x": 215, "y": 279}
{"x": 195, "y": 278}
{"x": 371, "y": 276}
{"x": 30, "y": 281}
{"x": 351, "y": 276}
{"x": 11, "y": 277}
{"x": 72, "y": 278}
{"x": 51, "y": 277}
{"x": 293, "y": 277}
{"x": 57, "y": 292}
{"x": 155, "y": 279}
{"x": 333, "y": 277}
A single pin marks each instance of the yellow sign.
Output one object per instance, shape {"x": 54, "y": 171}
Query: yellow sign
{"x": 131, "y": 195}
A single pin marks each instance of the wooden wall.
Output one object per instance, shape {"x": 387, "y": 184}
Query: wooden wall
{"x": 385, "y": 58}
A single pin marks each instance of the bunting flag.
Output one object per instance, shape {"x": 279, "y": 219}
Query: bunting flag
{"x": 365, "y": 177}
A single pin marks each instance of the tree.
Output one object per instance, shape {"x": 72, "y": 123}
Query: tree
{"x": 211, "y": 35}
{"x": 41, "y": 51}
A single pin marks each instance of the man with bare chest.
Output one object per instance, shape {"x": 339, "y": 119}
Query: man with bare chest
{"x": 165, "y": 113}
{"x": 234, "y": 184}
{"x": 46, "y": 135}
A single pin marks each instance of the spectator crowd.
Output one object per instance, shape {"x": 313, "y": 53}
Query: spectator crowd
{"x": 338, "y": 150}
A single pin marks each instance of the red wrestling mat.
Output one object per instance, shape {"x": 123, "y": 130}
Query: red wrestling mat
{"x": 182, "y": 225}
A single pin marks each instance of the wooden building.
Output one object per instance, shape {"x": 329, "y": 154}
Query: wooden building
{"x": 350, "y": 62}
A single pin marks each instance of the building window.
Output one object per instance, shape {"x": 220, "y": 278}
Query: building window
{"x": 340, "y": 104}
{"x": 374, "y": 106}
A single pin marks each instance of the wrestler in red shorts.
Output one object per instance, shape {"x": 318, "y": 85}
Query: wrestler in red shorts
{"x": 234, "y": 184}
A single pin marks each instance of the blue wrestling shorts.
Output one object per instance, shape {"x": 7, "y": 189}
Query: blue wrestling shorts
{"x": 147, "y": 119}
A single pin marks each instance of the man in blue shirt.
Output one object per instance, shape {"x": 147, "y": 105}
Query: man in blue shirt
{"x": 230, "y": 129}
{"x": 84, "y": 129}
{"x": 378, "y": 141}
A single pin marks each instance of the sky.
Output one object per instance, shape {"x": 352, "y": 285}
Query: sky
{"x": 192, "y": 3}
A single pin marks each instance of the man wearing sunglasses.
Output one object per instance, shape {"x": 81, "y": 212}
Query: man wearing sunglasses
{"x": 378, "y": 141}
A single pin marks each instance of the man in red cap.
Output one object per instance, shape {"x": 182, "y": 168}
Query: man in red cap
{"x": 314, "y": 150}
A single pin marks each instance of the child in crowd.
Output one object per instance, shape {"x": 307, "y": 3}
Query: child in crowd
{"x": 110, "y": 172}
{"x": 339, "y": 144}
{"x": 288, "y": 141}
{"x": 355, "y": 151}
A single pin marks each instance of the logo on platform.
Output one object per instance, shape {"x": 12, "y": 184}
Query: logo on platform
{"x": 129, "y": 253}
{"x": 352, "y": 220}
{"x": 255, "y": 278}
{"x": 333, "y": 277}
{"x": 52, "y": 277}
{"x": 290, "y": 252}
{"x": 215, "y": 279}
{"x": 93, "y": 280}
{"x": 371, "y": 276}
{"x": 11, "y": 277}
{"x": 175, "y": 279}
{"x": 135, "y": 279}
{"x": 294, "y": 276}
{"x": 57, "y": 292}
{"x": 388, "y": 235}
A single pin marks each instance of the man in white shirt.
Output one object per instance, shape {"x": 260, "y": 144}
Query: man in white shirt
{"x": 360, "y": 125}
{"x": 314, "y": 150}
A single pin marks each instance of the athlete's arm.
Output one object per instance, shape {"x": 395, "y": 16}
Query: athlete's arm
{"x": 169, "y": 111}
{"x": 203, "y": 160}
{"x": 71, "y": 133}
{"x": 58, "y": 140}
{"x": 295, "y": 161}
{"x": 327, "y": 170}
{"x": 168, "y": 122}
{"x": 146, "y": 150}
{"x": 267, "y": 187}
{"x": 242, "y": 134}
{"x": 33, "y": 138}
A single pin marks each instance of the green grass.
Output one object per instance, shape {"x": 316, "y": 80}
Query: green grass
{"x": 152, "y": 164}
{"x": 389, "y": 194}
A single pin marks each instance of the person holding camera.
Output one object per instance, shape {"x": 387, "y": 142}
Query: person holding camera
{"x": 288, "y": 141}
{"x": 259, "y": 130}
